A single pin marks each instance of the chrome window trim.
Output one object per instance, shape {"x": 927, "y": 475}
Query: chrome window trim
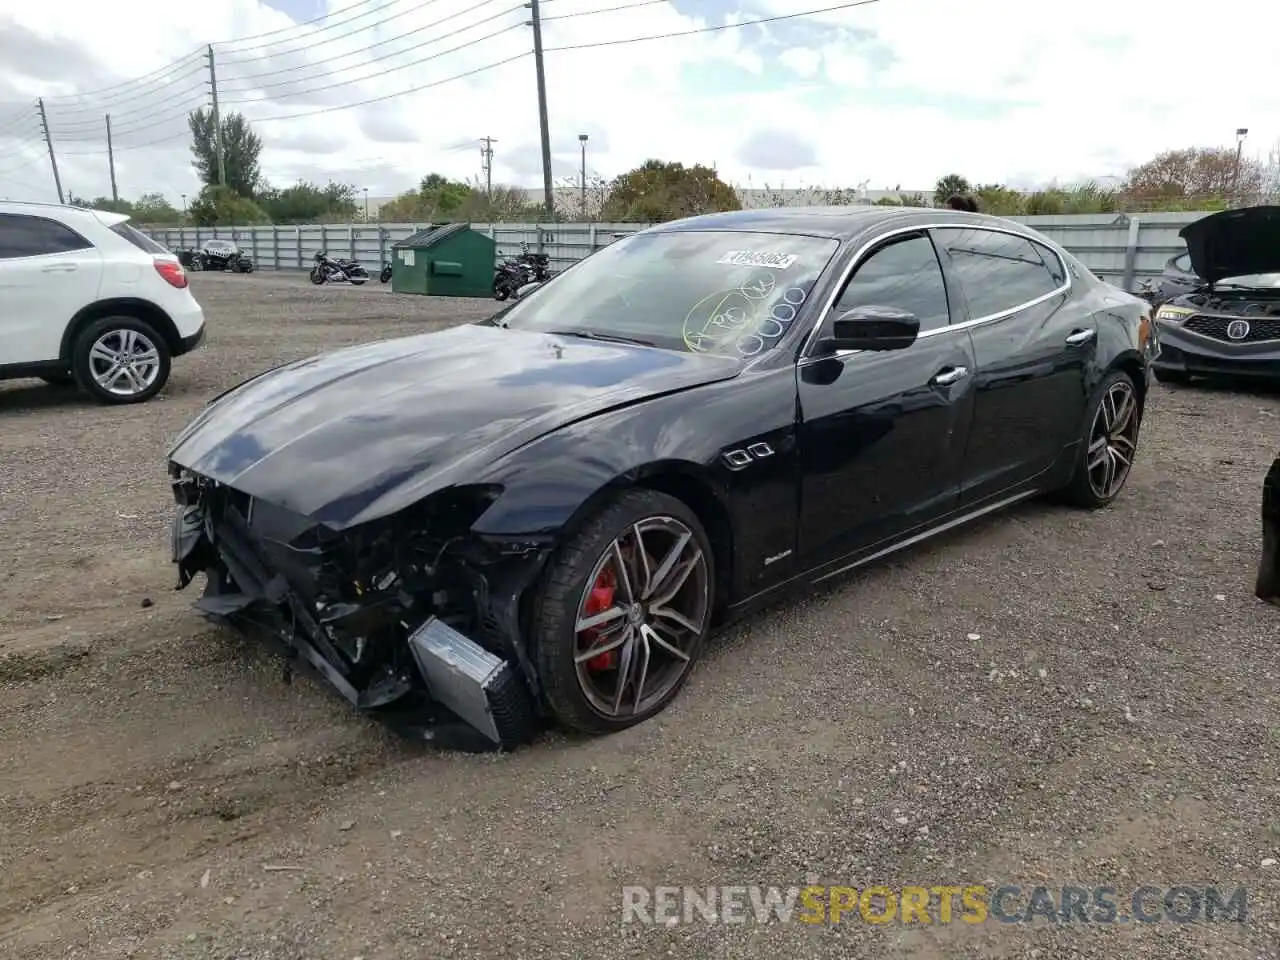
{"x": 861, "y": 255}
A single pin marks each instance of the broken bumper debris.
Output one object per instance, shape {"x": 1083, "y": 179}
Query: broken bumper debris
{"x": 420, "y": 628}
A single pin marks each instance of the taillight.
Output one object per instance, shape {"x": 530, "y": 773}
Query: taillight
{"x": 172, "y": 272}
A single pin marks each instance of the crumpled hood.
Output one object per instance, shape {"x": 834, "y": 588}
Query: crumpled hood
{"x": 1234, "y": 243}
{"x": 364, "y": 432}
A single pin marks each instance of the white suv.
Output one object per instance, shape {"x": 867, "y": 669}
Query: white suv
{"x": 87, "y": 299}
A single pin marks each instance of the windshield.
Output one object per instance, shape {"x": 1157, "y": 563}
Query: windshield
{"x": 703, "y": 292}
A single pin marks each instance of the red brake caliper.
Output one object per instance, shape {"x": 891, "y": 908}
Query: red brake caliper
{"x": 600, "y": 600}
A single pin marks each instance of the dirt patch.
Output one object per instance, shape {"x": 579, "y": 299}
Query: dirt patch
{"x": 1048, "y": 697}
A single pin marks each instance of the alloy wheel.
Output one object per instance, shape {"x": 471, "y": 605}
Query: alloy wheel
{"x": 1113, "y": 440}
{"x": 124, "y": 362}
{"x": 641, "y": 617}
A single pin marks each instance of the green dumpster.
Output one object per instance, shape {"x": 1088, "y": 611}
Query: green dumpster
{"x": 445, "y": 260}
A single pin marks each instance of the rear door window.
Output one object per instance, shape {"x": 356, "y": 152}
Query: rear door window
{"x": 137, "y": 238}
{"x": 1000, "y": 272}
{"x": 26, "y": 236}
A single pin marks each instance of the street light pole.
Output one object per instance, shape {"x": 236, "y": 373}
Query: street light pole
{"x": 1241, "y": 133}
{"x": 582, "y": 139}
{"x": 366, "y": 204}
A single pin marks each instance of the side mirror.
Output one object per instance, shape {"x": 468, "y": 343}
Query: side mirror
{"x": 873, "y": 328}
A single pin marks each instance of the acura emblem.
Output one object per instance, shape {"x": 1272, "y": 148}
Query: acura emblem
{"x": 1238, "y": 329}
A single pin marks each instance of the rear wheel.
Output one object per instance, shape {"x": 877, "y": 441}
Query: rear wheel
{"x": 623, "y": 613}
{"x": 1175, "y": 377}
{"x": 121, "y": 360}
{"x": 1109, "y": 443}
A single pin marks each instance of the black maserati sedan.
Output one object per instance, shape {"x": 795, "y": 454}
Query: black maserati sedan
{"x": 540, "y": 517}
{"x": 1228, "y": 323}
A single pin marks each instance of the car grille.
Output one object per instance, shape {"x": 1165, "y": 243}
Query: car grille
{"x": 1260, "y": 328}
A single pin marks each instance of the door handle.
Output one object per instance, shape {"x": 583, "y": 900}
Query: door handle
{"x": 949, "y": 376}
{"x": 60, "y": 268}
{"x": 1077, "y": 337}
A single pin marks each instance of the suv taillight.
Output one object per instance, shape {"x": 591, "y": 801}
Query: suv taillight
{"x": 172, "y": 272}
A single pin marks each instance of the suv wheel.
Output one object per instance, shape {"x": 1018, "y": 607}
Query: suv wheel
{"x": 121, "y": 360}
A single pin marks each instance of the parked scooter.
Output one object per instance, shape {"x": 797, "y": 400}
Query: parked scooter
{"x": 329, "y": 269}
{"x": 385, "y": 275}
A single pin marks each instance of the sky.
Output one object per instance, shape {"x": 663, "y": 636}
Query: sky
{"x": 888, "y": 94}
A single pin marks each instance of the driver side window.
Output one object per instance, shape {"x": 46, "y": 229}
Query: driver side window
{"x": 903, "y": 274}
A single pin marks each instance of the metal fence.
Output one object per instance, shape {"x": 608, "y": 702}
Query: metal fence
{"x": 1120, "y": 248}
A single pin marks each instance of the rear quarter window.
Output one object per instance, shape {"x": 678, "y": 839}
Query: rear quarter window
{"x": 137, "y": 238}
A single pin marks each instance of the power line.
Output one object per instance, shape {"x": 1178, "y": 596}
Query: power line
{"x": 380, "y": 73}
{"x": 592, "y": 13}
{"x": 713, "y": 29}
{"x": 312, "y": 42}
{"x": 180, "y": 101}
{"x": 398, "y": 93}
{"x": 146, "y": 77}
{"x": 295, "y": 26}
{"x": 380, "y": 43}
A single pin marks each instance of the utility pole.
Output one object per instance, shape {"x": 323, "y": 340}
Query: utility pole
{"x": 53, "y": 161}
{"x": 543, "y": 123}
{"x": 111, "y": 162}
{"x": 582, "y": 139}
{"x": 217, "y": 121}
{"x": 1241, "y": 133}
{"x": 487, "y": 152}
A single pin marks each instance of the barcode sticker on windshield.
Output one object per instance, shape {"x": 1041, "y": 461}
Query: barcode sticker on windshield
{"x": 751, "y": 258}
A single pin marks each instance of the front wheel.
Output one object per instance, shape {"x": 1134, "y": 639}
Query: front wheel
{"x": 623, "y": 612}
{"x": 500, "y": 289}
{"x": 1109, "y": 443}
{"x": 317, "y": 276}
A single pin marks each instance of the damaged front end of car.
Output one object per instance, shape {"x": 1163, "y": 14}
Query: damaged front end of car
{"x": 412, "y": 617}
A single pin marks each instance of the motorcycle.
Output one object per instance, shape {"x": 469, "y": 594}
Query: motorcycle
{"x": 385, "y": 275}
{"x": 329, "y": 269}
{"x": 510, "y": 277}
{"x": 515, "y": 273}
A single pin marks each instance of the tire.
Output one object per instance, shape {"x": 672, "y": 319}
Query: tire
{"x": 317, "y": 276}
{"x": 1088, "y": 488}
{"x": 62, "y": 378}
{"x": 500, "y": 291}
{"x": 580, "y": 696}
{"x": 1173, "y": 377}
{"x": 358, "y": 283}
{"x": 90, "y": 365}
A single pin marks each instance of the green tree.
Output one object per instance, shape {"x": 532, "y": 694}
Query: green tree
{"x": 998, "y": 200}
{"x": 656, "y": 191}
{"x": 223, "y": 207}
{"x": 154, "y": 208}
{"x": 241, "y": 148}
{"x": 949, "y": 186}
{"x": 308, "y": 203}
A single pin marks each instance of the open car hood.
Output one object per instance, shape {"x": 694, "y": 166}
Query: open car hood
{"x": 364, "y": 432}
{"x": 1234, "y": 243}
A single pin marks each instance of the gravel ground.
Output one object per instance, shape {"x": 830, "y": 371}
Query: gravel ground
{"x": 1049, "y": 697}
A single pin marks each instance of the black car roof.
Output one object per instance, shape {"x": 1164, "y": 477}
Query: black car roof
{"x": 836, "y": 223}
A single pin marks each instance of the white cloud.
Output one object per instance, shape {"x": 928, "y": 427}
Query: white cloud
{"x": 983, "y": 87}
